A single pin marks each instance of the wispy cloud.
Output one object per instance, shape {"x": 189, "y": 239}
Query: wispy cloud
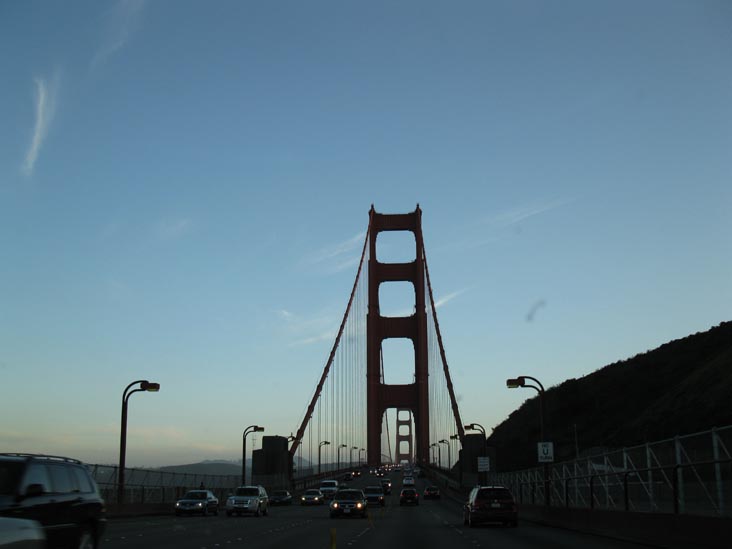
{"x": 449, "y": 297}
{"x": 340, "y": 256}
{"x": 171, "y": 229}
{"x": 526, "y": 211}
{"x": 45, "y": 109}
{"x": 325, "y": 336}
{"x": 121, "y": 22}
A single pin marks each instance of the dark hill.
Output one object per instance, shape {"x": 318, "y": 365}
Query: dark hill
{"x": 681, "y": 387}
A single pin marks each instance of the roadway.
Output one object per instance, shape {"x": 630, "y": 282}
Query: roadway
{"x": 434, "y": 523}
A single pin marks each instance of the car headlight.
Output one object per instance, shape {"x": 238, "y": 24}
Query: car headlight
{"x": 177, "y": 503}
{"x": 199, "y": 504}
{"x": 334, "y": 505}
{"x": 359, "y": 505}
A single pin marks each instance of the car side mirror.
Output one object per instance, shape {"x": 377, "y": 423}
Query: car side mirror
{"x": 33, "y": 490}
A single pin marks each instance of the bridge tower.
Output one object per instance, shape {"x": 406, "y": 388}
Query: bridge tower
{"x": 404, "y": 419}
{"x": 413, "y": 396}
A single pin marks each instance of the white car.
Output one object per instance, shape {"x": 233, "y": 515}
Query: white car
{"x": 329, "y": 488}
{"x": 21, "y": 534}
{"x": 408, "y": 481}
{"x": 248, "y": 499}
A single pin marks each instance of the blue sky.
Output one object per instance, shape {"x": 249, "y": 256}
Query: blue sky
{"x": 184, "y": 187}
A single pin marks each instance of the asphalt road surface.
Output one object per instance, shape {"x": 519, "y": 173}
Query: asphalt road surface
{"x": 434, "y": 523}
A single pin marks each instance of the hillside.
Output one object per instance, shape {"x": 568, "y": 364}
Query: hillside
{"x": 207, "y": 468}
{"x": 681, "y": 387}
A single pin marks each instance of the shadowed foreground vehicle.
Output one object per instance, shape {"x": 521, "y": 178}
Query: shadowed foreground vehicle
{"x": 312, "y": 497}
{"x": 57, "y": 492}
{"x": 409, "y": 496}
{"x": 375, "y": 495}
{"x": 280, "y": 497}
{"x": 197, "y": 501}
{"x": 348, "y": 503}
{"x": 490, "y": 504}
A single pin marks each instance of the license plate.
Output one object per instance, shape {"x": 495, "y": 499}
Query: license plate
{"x": 496, "y": 505}
{"x": 346, "y": 511}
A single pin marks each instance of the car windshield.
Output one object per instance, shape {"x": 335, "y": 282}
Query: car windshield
{"x": 195, "y": 495}
{"x": 494, "y": 493}
{"x": 349, "y": 494}
{"x": 247, "y": 492}
{"x": 312, "y": 493}
{"x": 279, "y": 493}
{"x": 10, "y": 472}
{"x": 409, "y": 492}
{"x": 374, "y": 490}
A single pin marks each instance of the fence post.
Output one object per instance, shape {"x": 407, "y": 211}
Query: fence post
{"x": 676, "y": 488}
{"x": 652, "y": 503}
{"x": 718, "y": 472}
{"x": 625, "y": 490}
{"x": 680, "y": 505}
{"x": 592, "y": 492}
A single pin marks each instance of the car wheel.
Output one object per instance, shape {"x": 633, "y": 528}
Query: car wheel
{"x": 265, "y": 512}
{"x": 86, "y": 540}
{"x": 216, "y": 511}
{"x": 228, "y": 513}
{"x": 256, "y": 513}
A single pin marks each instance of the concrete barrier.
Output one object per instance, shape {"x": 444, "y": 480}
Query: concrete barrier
{"x": 656, "y": 529}
{"x": 115, "y": 510}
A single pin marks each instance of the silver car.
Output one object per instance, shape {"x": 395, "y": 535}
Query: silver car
{"x": 21, "y": 534}
{"x": 248, "y": 499}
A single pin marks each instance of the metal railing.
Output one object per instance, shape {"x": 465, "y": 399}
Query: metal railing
{"x": 689, "y": 474}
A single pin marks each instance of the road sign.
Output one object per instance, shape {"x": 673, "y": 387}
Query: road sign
{"x": 484, "y": 464}
{"x": 546, "y": 452}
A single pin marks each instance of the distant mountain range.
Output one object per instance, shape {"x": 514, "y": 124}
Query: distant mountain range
{"x": 681, "y": 387}
{"x": 212, "y": 467}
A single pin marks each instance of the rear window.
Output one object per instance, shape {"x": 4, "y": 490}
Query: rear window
{"x": 494, "y": 493}
{"x": 10, "y": 472}
{"x": 280, "y": 493}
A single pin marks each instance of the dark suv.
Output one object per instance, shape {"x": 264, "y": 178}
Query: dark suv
{"x": 57, "y": 492}
{"x": 490, "y": 504}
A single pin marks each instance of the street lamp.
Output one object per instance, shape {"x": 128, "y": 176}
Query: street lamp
{"x": 351, "y": 455}
{"x": 145, "y": 385}
{"x": 338, "y": 465}
{"x": 359, "y": 455}
{"x": 444, "y": 441}
{"x": 432, "y": 452}
{"x": 250, "y": 429}
{"x": 520, "y": 381}
{"x": 479, "y": 427}
{"x": 322, "y": 443}
{"x": 514, "y": 383}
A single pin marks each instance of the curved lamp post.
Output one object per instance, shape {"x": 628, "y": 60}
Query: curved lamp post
{"x": 444, "y": 441}
{"x": 351, "y": 455}
{"x": 144, "y": 385}
{"x": 479, "y": 427}
{"x": 338, "y": 465}
{"x": 250, "y": 429}
{"x": 520, "y": 381}
{"x": 322, "y": 443}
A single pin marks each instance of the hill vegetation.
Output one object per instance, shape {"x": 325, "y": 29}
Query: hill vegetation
{"x": 681, "y": 387}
